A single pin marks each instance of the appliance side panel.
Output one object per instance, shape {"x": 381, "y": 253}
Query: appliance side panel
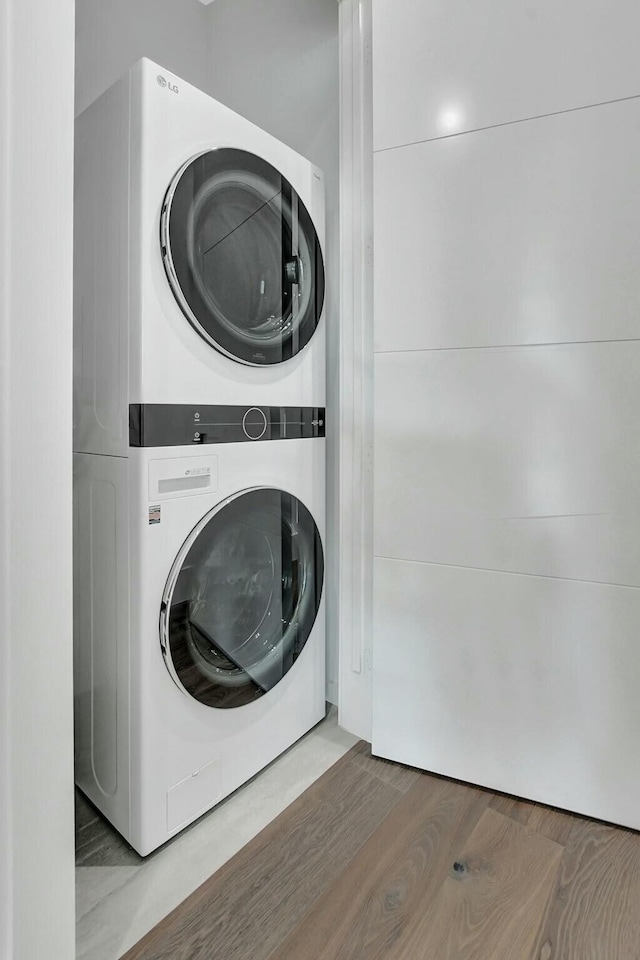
{"x": 138, "y": 127}
{"x": 101, "y": 634}
{"x": 318, "y": 214}
{"x": 101, "y": 272}
{"x": 82, "y": 620}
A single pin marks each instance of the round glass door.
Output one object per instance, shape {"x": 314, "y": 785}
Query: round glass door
{"x": 242, "y": 597}
{"x": 242, "y": 256}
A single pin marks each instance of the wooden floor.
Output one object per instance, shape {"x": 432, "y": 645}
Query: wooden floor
{"x": 377, "y": 860}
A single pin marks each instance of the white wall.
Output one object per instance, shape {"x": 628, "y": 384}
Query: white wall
{"x": 36, "y": 732}
{"x": 276, "y": 63}
{"x": 111, "y": 35}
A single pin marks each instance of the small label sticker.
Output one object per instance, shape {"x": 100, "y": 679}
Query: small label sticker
{"x": 154, "y": 514}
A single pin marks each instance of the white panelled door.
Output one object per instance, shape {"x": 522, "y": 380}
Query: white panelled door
{"x": 507, "y": 397}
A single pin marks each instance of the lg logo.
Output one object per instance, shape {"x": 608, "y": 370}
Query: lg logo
{"x": 162, "y": 82}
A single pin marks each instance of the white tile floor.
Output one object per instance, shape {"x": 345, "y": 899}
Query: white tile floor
{"x": 116, "y": 905}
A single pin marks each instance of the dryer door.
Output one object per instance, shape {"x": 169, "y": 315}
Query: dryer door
{"x": 242, "y": 256}
{"x": 242, "y": 597}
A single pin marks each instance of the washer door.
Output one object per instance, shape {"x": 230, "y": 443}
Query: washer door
{"x": 242, "y": 597}
{"x": 242, "y": 256}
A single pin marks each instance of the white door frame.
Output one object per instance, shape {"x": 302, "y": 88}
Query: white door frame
{"x": 36, "y": 728}
{"x": 356, "y": 368}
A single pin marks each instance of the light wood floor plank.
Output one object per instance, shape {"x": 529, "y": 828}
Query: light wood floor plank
{"x": 554, "y": 824}
{"x": 513, "y": 807}
{"x": 595, "y": 913}
{"x": 246, "y": 909}
{"x": 377, "y": 861}
{"x": 386, "y": 884}
{"x": 493, "y": 901}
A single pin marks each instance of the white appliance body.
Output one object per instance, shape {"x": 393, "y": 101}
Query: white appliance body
{"x": 150, "y": 755}
{"x": 134, "y": 343}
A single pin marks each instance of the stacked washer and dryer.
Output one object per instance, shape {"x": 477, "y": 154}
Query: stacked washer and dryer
{"x": 199, "y": 453}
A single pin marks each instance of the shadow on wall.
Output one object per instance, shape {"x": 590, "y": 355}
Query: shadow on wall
{"x": 110, "y": 37}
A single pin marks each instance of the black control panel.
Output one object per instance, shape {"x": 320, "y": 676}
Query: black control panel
{"x": 178, "y": 424}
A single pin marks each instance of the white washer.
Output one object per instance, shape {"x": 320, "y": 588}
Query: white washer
{"x": 199, "y": 614}
{"x": 198, "y": 259}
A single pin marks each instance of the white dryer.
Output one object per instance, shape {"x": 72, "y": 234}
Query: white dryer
{"x": 198, "y": 259}
{"x": 199, "y": 610}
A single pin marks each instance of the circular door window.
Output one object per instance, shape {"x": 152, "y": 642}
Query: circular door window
{"x": 242, "y": 256}
{"x": 242, "y": 597}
